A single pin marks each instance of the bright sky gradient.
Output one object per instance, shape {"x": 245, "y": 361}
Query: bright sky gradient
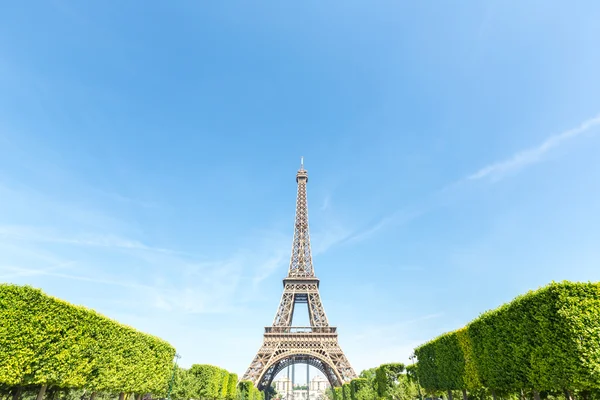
{"x": 148, "y": 152}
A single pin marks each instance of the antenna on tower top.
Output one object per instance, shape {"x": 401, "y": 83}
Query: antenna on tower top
{"x": 301, "y": 162}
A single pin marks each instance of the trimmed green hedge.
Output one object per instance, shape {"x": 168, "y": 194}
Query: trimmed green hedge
{"x": 346, "y": 391}
{"x": 356, "y": 385}
{"x": 547, "y": 339}
{"x": 386, "y": 377}
{"x": 338, "y": 393}
{"x": 184, "y": 385}
{"x": 442, "y": 363}
{"x": 206, "y": 382}
{"x": 361, "y": 389}
{"x": 248, "y": 391}
{"x": 411, "y": 372}
{"x": 47, "y": 341}
{"x": 386, "y": 382}
{"x": 203, "y": 381}
{"x": 209, "y": 381}
{"x": 232, "y": 386}
{"x": 470, "y": 375}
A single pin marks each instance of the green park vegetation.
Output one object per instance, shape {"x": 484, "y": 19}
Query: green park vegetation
{"x": 386, "y": 382}
{"x": 544, "y": 344}
{"x": 204, "y": 382}
{"x": 55, "y": 350}
{"x": 47, "y": 343}
{"x": 208, "y": 382}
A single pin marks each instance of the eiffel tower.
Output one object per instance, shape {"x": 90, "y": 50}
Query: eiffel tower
{"x": 285, "y": 345}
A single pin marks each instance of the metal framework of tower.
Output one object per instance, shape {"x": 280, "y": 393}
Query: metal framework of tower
{"x": 285, "y": 345}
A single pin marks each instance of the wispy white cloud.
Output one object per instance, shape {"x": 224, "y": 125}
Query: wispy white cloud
{"x": 398, "y": 217}
{"x": 11, "y": 271}
{"x": 206, "y": 292}
{"x": 271, "y": 250}
{"x": 534, "y": 154}
{"x": 37, "y": 234}
{"x": 265, "y": 253}
{"x": 333, "y": 234}
{"x": 270, "y": 265}
{"x": 326, "y": 203}
{"x": 368, "y": 232}
{"x": 201, "y": 288}
{"x": 494, "y": 171}
{"x": 170, "y": 280}
{"x": 118, "y": 197}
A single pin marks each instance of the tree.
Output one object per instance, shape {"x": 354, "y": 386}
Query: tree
{"x": 184, "y": 385}
{"x": 404, "y": 389}
{"x": 232, "y": 386}
{"x": 386, "y": 378}
{"x": 368, "y": 374}
{"x": 270, "y": 392}
{"x": 362, "y": 389}
{"x": 346, "y": 391}
{"x": 339, "y": 393}
{"x": 46, "y": 342}
{"x": 330, "y": 393}
{"x": 546, "y": 340}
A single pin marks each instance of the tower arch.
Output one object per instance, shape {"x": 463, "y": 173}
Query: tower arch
{"x": 313, "y": 359}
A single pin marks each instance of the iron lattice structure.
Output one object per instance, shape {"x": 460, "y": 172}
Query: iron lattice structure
{"x": 283, "y": 344}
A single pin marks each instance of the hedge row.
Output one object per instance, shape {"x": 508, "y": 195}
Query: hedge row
{"x": 547, "y": 339}
{"x": 247, "y": 391}
{"x": 375, "y": 383}
{"x": 386, "y": 377}
{"x": 46, "y": 341}
{"x": 338, "y": 393}
{"x": 356, "y": 386}
{"x": 204, "y": 382}
{"x": 346, "y": 391}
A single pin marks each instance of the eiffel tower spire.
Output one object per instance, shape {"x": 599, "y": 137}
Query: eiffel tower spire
{"x": 301, "y": 259}
{"x": 285, "y": 345}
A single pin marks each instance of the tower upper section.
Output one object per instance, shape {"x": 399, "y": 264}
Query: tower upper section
{"x": 301, "y": 259}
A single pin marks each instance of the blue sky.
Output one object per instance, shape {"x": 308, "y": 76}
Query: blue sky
{"x": 148, "y": 152}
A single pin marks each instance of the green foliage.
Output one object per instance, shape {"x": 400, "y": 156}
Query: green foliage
{"x": 339, "y": 393}
{"x": 211, "y": 382}
{"x": 361, "y": 389}
{"x": 368, "y": 374}
{"x": 427, "y": 372}
{"x": 450, "y": 362}
{"x": 386, "y": 377}
{"x": 547, "y": 340}
{"x": 224, "y": 384}
{"x": 184, "y": 385}
{"x": 346, "y": 391}
{"x": 404, "y": 389}
{"x": 386, "y": 382}
{"x": 232, "y": 386}
{"x": 356, "y": 385}
{"x": 411, "y": 372}
{"x": 44, "y": 340}
{"x": 442, "y": 363}
{"x": 270, "y": 392}
{"x": 330, "y": 393}
{"x": 247, "y": 391}
{"x": 470, "y": 375}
